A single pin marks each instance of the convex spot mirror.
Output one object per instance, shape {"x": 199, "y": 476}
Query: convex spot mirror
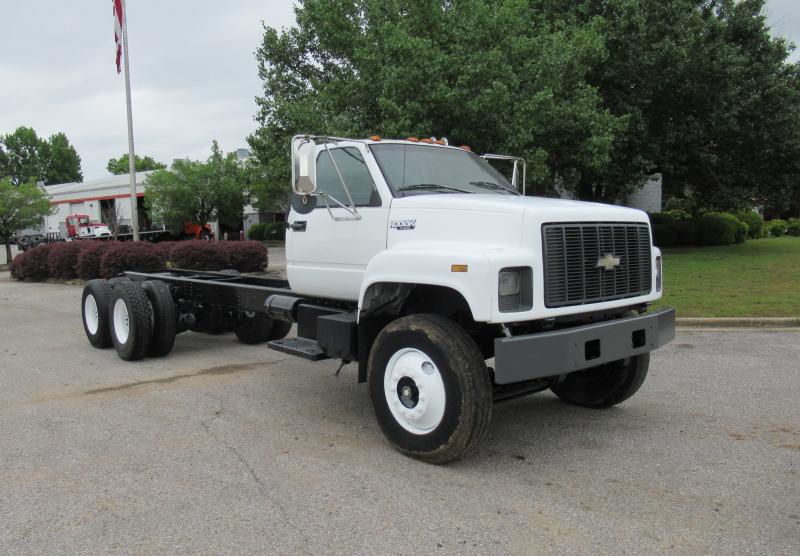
{"x": 304, "y": 164}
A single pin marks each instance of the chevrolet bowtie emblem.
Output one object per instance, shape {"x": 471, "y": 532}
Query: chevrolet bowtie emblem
{"x": 607, "y": 262}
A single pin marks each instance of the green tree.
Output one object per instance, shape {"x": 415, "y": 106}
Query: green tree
{"x": 28, "y": 157}
{"x": 119, "y": 165}
{"x": 63, "y": 162}
{"x": 494, "y": 75}
{"x": 200, "y": 192}
{"x": 22, "y": 205}
{"x": 25, "y": 157}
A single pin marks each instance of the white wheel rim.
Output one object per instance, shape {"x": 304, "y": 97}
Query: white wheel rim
{"x": 121, "y": 324}
{"x": 91, "y": 315}
{"x": 414, "y": 391}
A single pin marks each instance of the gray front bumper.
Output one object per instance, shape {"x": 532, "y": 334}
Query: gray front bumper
{"x": 521, "y": 358}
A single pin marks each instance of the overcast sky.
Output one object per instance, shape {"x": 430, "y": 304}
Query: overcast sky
{"x": 193, "y": 72}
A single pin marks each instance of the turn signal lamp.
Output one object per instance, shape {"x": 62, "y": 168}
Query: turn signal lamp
{"x": 459, "y": 268}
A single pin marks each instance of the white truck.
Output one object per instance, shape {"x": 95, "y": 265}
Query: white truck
{"x": 424, "y": 265}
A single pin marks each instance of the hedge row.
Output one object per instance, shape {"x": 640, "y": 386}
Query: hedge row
{"x": 677, "y": 228}
{"x": 267, "y": 230}
{"x": 106, "y": 259}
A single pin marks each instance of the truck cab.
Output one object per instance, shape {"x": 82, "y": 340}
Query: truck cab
{"x": 80, "y": 226}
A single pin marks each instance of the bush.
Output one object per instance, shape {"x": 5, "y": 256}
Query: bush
{"x": 89, "y": 258}
{"x": 141, "y": 256}
{"x": 793, "y": 227}
{"x": 246, "y": 256}
{"x": 267, "y": 230}
{"x": 685, "y": 232}
{"x": 62, "y": 261}
{"x": 663, "y": 236}
{"x": 776, "y": 228}
{"x": 257, "y": 232}
{"x": 720, "y": 228}
{"x": 754, "y": 222}
{"x": 164, "y": 250}
{"x": 200, "y": 255}
{"x": 32, "y": 264}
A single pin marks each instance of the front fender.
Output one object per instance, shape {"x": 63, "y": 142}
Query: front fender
{"x": 431, "y": 265}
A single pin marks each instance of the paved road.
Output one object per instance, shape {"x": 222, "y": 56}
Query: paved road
{"x": 225, "y": 448}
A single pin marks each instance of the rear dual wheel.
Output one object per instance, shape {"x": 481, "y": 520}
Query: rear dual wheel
{"x": 256, "y": 328}
{"x": 137, "y": 318}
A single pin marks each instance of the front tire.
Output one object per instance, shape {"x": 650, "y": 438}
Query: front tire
{"x": 430, "y": 388}
{"x": 606, "y": 385}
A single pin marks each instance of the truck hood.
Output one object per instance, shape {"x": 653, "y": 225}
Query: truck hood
{"x": 541, "y": 209}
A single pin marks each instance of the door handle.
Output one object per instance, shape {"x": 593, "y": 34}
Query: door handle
{"x": 298, "y": 226}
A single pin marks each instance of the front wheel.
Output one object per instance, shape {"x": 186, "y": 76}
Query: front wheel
{"x": 606, "y": 385}
{"x": 430, "y": 388}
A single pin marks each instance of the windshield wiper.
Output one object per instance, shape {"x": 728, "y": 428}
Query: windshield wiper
{"x": 492, "y": 185}
{"x": 418, "y": 186}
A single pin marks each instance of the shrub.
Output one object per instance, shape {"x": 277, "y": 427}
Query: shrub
{"x": 685, "y": 232}
{"x": 164, "y": 250}
{"x": 793, "y": 227}
{"x": 89, "y": 258}
{"x": 663, "y": 236}
{"x": 720, "y": 228}
{"x": 754, "y": 222}
{"x": 141, "y": 256}
{"x": 200, "y": 255}
{"x": 17, "y": 266}
{"x": 32, "y": 264}
{"x": 276, "y": 231}
{"x": 776, "y": 228}
{"x": 257, "y": 231}
{"x": 267, "y": 230}
{"x": 62, "y": 261}
{"x": 245, "y": 256}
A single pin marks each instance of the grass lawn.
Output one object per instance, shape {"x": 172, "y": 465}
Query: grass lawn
{"x": 759, "y": 278}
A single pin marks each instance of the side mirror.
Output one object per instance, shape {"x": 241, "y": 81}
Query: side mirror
{"x": 304, "y": 166}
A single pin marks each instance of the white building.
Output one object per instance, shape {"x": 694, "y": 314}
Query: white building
{"x": 95, "y": 198}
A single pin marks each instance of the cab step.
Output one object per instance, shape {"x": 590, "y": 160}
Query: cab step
{"x": 301, "y": 347}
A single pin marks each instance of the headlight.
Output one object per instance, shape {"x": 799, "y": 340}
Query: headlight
{"x": 508, "y": 283}
{"x": 515, "y": 289}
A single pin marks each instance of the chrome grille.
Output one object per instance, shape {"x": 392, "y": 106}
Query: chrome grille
{"x": 571, "y": 254}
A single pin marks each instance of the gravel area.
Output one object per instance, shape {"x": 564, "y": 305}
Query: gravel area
{"x": 226, "y": 448}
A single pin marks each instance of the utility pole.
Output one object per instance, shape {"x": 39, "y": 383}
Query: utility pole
{"x": 131, "y": 156}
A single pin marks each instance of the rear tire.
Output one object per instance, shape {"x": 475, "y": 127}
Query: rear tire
{"x": 280, "y": 328}
{"x": 94, "y": 312}
{"x": 430, "y": 388}
{"x": 253, "y": 328}
{"x": 130, "y": 319}
{"x": 164, "y": 323}
{"x": 606, "y": 385}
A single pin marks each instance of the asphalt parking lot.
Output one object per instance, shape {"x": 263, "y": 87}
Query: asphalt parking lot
{"x": 226, "y": 448}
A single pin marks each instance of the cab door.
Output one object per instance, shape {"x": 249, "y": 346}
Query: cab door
{"x": 327, "y": 247}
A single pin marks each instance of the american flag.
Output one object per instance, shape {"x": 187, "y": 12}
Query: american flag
{"x": 118, "y": 31}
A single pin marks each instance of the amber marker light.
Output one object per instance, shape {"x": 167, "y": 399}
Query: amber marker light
{"x": 459, "y": 268}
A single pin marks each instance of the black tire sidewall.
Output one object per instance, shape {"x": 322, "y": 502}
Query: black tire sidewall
{"x": 140, "y": 327}
{"x": 389, "y": 343}
{"x": 101, "y": 292}
{"x": 164, "y": 324}
{"x": 253, "y": 330}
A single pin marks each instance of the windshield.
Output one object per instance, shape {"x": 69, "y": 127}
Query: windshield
{"x": 420, "y": 169}
{"x": 85, "y": 221}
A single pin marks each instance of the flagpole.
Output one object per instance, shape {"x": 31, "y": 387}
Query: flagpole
{"x": 131, "y": 156}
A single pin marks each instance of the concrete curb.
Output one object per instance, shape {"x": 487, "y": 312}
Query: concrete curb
{"x": 745, "y": 322}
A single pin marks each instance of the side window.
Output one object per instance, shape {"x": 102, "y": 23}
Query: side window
{"x": 355, "y": 174}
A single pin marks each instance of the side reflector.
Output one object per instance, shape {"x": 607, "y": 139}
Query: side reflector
{"x": 459, "y": 268}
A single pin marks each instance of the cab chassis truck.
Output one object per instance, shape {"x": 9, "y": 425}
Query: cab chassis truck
{"x": 423, "y": 264}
